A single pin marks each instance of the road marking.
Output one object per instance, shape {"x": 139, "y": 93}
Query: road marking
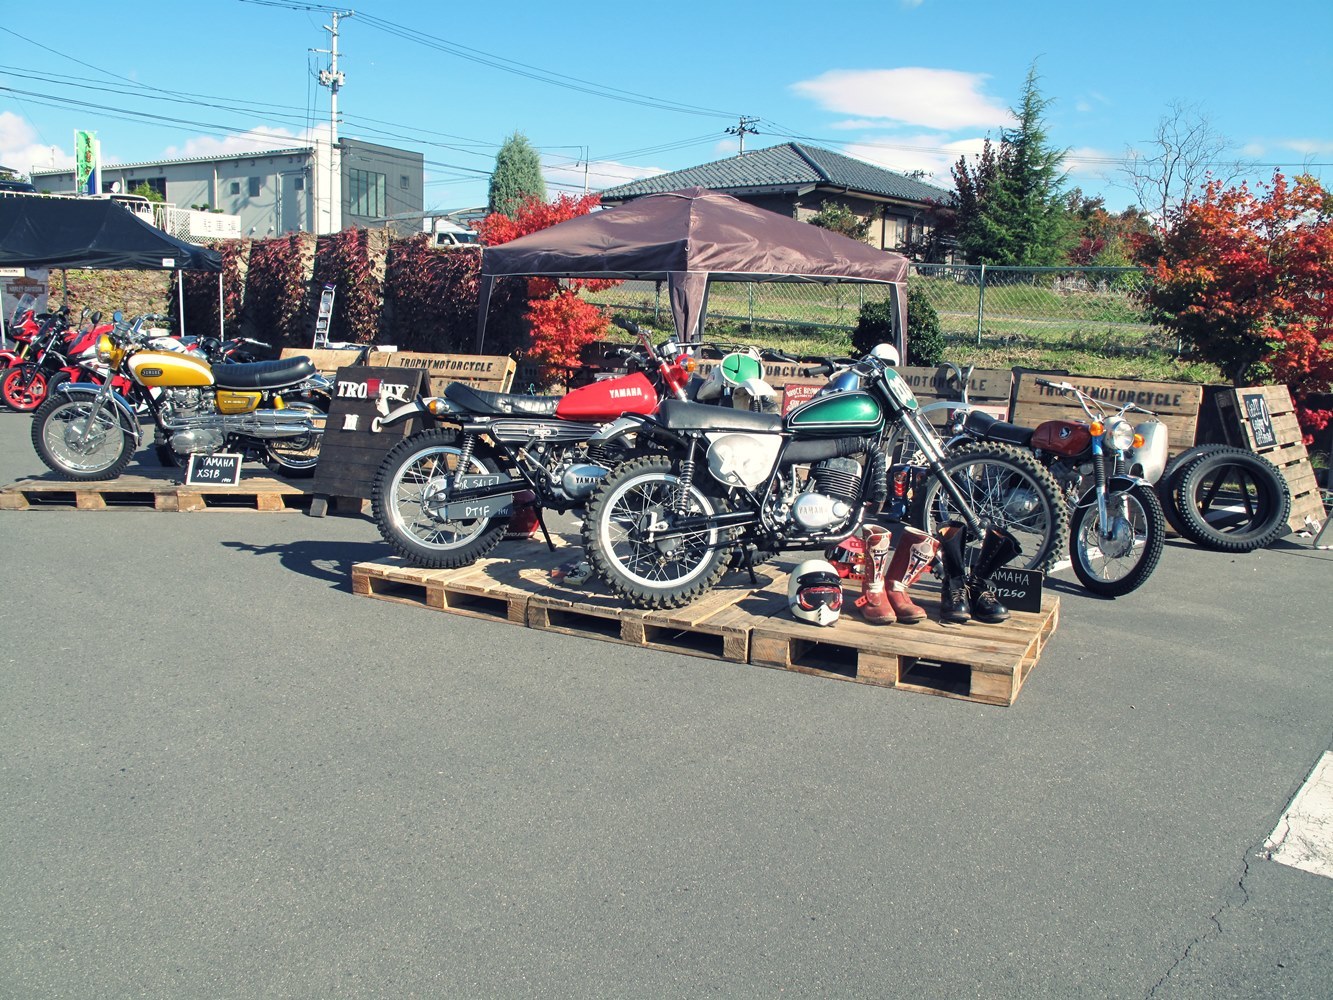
{"x": 1303, "y": 837}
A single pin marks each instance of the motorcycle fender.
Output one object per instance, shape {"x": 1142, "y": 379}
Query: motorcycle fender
{"x": 619, "y": 428}
{"x": 416, "y": 408}
{"x": 1115, "y": 486}
{"x": 129, "y": 420}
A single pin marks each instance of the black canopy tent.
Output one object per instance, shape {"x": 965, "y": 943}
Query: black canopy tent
{"x": 688, "y": 238}
{"x": 93, "y": 233}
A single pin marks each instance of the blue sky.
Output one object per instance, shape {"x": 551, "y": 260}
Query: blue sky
{"x": 609, "y": 92}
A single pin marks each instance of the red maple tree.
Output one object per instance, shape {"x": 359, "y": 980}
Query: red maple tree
{"x": 561, "y": 322}
{"x": 1246, "y": 279}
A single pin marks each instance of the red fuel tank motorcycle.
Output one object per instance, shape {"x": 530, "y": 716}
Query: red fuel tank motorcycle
{"x": 443, "y": 497}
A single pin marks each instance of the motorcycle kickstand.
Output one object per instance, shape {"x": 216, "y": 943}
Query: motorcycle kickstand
{"x": 541, "y": 523}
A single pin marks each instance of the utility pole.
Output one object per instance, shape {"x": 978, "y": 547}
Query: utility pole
{"x": 333, "y": 79}
{"x": 742, "y": 129}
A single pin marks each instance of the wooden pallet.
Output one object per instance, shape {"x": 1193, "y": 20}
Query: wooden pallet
{"x": 153, "y": 492}
{"x": 737, "y": 622}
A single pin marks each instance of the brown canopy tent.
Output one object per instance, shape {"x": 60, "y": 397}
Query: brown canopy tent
{"x": 687, "y": 239}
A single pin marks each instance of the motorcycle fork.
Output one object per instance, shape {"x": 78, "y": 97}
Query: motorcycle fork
{"x": 929, "y": 446}
{"x": 103, "y": 393}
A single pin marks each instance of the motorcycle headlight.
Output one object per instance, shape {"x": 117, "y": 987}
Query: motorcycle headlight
{"x": 1119, "y": 435}
{"x": 106, "y": 349}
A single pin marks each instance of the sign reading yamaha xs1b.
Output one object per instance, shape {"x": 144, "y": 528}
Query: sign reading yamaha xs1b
{"x": 354, "y": 445}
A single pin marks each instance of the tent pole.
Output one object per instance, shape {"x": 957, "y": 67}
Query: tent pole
{"x": 221, "y": 334}
{"x": 180, "y": 297}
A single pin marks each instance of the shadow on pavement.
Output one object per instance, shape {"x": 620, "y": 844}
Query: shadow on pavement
{"x": 330, "y": 561}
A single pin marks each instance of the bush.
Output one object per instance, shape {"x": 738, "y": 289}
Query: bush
{"x": 925, "y": 341}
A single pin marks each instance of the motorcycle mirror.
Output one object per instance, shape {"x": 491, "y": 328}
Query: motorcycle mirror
{"x": 117, "y": 316}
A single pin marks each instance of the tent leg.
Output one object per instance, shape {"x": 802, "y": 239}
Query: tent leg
{"x": 180, "y": 298}
{"x": 221, "y": 336}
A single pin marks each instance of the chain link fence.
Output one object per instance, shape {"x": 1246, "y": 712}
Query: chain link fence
{"x": 1090, "y": 308}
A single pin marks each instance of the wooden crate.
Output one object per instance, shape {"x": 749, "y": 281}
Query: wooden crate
{"x": 153, "y": 493}
{"x": 1175, "y": 403}
{"x": 1263, "y": 419}
{"x": 738, "y": 622}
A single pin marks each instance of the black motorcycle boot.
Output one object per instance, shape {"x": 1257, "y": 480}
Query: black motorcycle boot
{"x": 997, "y": 548}
{"x": 954, "y": 604}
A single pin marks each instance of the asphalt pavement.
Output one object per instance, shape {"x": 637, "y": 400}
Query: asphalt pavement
{"x": 224, "y": 775}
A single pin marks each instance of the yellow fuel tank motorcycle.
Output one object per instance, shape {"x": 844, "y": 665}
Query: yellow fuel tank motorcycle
{"x": 270, "y": 410}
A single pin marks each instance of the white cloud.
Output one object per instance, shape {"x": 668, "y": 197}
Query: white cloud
{"x": 256, "y": 139}
{"x": 932, "y": 98}
{"x": 1308, "y": 147}
{"x": 567, "y": 175}
{"x": 920, "y": 152}
{"x": 20, "y": 149}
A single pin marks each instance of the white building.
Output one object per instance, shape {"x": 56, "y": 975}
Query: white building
{"x": 275, "y": 191}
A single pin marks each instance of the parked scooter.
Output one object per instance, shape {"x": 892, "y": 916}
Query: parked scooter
{"x": 273, "y": 410}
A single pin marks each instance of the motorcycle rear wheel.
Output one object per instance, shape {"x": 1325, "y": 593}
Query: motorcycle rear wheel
{"x": 297, "y": 457}
{"x": 1114, "y": 567}
{"x": 24, "y": 388}
{"x": 1007, "y": 488}
{"x": 78, "y": 445}
{"x": 414, "y": 470}
{"x": 663, "y": 573}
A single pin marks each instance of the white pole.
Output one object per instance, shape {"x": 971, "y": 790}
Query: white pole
{"x": 221, "y": 328}
{"x": 180, "y": 297}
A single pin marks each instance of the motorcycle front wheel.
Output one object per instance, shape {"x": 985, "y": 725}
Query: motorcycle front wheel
{"x": 1114, "y": 562}
{"x": 24, "y": 387}
{"x": 296, "y": 457}
{"x": 405, "y": 502}
{"x": 1006, "y": 487}
{"x": 635, "y": 505}
{"x": 79, "y": 444}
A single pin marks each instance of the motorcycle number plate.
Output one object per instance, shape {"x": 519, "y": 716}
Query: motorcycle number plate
{"x": 501, "y": 506}
{"x": 899, "y": 390}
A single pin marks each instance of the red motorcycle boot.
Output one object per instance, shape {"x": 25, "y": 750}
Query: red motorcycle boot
{"x": 912, "y": 556}
{"x": 874, "y": 602}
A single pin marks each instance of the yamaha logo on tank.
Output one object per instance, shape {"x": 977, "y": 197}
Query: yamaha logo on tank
{"x": 151, "y": 373}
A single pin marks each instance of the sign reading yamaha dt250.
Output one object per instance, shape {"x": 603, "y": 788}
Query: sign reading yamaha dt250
{"x": 1018, "y": 589}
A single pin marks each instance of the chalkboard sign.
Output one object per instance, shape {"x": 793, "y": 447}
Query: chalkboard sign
{"x": 1255, "y": 405}
{"x": 354, "y": 444}
{"x": 1018, "y": 589}
{"x": 221, "y": 469}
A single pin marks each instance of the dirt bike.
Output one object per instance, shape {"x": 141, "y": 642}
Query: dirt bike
{"x": 444, "y": 496}
{"x": 662, "y": 529}
{"x": 270, "y": 410}
{"x": 1106, "y": 468}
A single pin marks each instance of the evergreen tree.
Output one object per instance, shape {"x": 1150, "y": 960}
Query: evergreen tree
{"x": 517, "y": 176}
{"x": 1010, "y": 207}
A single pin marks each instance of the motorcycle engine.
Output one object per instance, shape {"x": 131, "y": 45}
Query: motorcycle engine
{"x": 578, "y": 481}
{"x": 833, "y": 491}
{"x": 179, "y": 406}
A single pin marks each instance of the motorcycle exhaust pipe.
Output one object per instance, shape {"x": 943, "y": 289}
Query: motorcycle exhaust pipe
{"x": 261, "y": 424}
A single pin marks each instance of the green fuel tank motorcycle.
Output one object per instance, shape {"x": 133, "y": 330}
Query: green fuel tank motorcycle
{"x": 724, "y": 485}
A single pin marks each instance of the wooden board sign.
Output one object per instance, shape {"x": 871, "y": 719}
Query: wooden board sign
{"x": 1263, "y": 419}
{"x": 987, "y": 388}
{"x": 219, "y": 469}
{"x": 494, "y": 373}
{"x": 1176, "y": 404}
{"x": 1018, "y": 589}
{"x": 354, "y": 444}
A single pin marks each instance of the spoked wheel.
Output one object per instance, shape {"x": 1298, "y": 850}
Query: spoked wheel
{"x": 297, "y": 457}
{"x": 411, "y": 508}
{"x": 78, "y": 443}
{"x": 1007, "y": 488}
{"x": 630, "y": 541}
{"x": 24, "y": 388}
{"x": 1232, "y": 500}
{"x": 1115, "y": 561}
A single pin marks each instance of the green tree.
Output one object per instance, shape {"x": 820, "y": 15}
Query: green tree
{"x": 1010, "y": 206}
{"x": 517, "y": 176}
{"x": 145, "y": 191}
{"x": 839, "y": 218}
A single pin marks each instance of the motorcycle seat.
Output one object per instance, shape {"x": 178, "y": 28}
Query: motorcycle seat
{"x": 678, "y": 415}
{"x": 983, "y": 425}
{"x": 263, "y": 374}
{"x": 499, "y": 404}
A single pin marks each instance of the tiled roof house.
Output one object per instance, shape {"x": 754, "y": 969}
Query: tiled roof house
{"x": 796, "y": 180}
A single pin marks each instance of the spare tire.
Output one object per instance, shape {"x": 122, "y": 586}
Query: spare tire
{"x": 1232, "y": 500}
{"x": 1167, "y": 486}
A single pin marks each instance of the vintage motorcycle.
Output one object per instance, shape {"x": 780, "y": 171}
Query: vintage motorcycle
{"x": 443, "y": 497}
{"x": 663, "y": 528}
{"x": 270, "y": 410}
{"x": 1106, "y": 469}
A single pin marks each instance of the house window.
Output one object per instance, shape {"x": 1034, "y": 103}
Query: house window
{"x": 298, "y": 184}
{"x": 254, "y": 186}
{"x": 366, "y": 194}
{"x": 404, "y": 181}
{"x": 235, "y": 187}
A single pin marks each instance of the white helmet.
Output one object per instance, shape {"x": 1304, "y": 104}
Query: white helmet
{"x": 814, "y": 592}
